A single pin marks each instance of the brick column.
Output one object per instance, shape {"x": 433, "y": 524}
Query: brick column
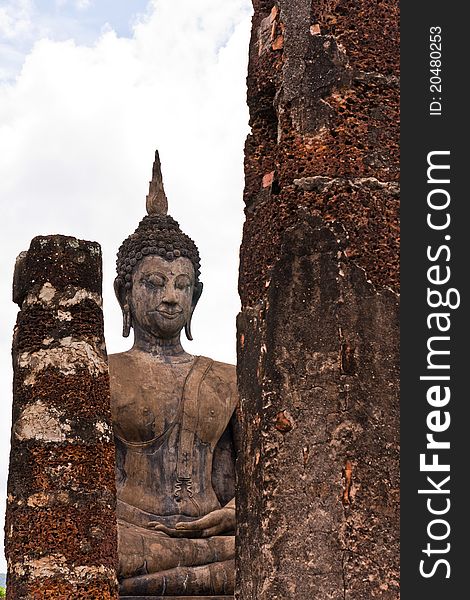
{"x": 61, "y": 540}
{"x": 318, "y": 477}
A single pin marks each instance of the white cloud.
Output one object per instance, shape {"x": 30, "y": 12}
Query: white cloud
{"x": 78, "y": 129}
{"x": 24, "y": 22}
{"x": 79, "y": 4}
{"x": 16, "y": 19}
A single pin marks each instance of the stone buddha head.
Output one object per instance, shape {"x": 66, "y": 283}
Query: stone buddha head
{"x": 157, "y": 284}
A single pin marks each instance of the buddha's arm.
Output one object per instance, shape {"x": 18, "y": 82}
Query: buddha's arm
{"x": 218, "y": 521}
{"x": 223, "y": 519}
{"x": 235, "y": 435}
{"x": 235, "y": 428}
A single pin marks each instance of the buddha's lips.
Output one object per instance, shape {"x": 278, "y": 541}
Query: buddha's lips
{"x": 166, "y": 314}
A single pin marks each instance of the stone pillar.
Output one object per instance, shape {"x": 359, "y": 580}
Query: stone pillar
{"x": 318, "y": 477}
{"x": 61, "y": 539}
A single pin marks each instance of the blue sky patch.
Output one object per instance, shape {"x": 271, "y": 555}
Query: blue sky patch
{"x": 23, "y": 22}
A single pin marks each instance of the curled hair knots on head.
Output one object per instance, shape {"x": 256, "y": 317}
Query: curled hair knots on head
{"x": 156, "y": 235}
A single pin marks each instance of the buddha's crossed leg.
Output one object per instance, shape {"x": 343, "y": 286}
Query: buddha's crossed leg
{"x": 154, "y": 563}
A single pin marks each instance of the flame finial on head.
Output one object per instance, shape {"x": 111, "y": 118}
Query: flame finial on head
{"x": 157, "y": 203}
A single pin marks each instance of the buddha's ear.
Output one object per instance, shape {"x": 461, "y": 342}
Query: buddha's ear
{"x": 122, "y": 297}
{"x": 120, "y": 291}
{"x": 196, "y": 295}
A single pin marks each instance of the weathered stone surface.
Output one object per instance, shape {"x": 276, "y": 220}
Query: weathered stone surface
{"x": 325, "y": 104}
{"x": 319, "y": 384}
{"x": 318, "y": 332}
{"x": 61, "y": 537}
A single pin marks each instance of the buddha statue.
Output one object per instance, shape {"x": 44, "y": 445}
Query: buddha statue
{"x": 173, "y": 419}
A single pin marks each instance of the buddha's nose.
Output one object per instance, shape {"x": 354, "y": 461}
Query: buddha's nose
{"x": 169, "y": 296}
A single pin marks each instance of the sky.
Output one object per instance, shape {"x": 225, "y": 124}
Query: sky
{"x": 88, "y": 90}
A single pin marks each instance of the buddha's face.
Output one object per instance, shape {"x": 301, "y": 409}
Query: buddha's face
{"x": 161, "y": 295}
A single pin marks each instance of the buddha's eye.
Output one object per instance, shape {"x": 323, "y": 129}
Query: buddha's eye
{"x": 182, "y": 283}
{"x": 153, "y": 282}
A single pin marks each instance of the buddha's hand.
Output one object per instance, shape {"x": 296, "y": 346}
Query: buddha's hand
{"x": 216, "y": 522}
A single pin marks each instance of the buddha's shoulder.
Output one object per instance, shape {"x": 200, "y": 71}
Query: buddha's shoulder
{"x": 119, "y": 361}
{"x": 221, "y": 380}
{"x": 223, "y": 370}
{"x": 122, "y": 361}
{"x": 122, "y": 372}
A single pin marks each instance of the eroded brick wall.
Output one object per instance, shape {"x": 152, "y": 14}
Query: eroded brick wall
{"x": 61, "y": 540}
{"x": 323, "y": 92}
{"x": 318, "y": 483}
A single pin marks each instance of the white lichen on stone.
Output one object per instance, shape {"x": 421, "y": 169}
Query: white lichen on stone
{"x": 72, "y": 355}
{"x": 104, "y": 430}
{"x": 80, "y": 295}
{"x": 42, "y": 423}
{"x": 39, "y": 500}
{"x": 322, "y": 183}
{"x": 43, "y": 499}
{"x": 47, "y": 293}
{"x": 73, "y": 243}
{"x": 55, "y": 565}
{"x": 47, "y": 296}
{"x": 64, "y": 315}
{"x": 94, "y": 249}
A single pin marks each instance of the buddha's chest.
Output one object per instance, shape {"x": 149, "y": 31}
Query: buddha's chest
{"x": 153, "y": 403}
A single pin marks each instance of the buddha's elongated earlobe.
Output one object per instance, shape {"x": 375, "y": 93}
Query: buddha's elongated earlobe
{"x": 123, "y": 299}
{"x": 196, "y": 295}
{"x": 127, "y": 321}
{"x": 187, "y": 327}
